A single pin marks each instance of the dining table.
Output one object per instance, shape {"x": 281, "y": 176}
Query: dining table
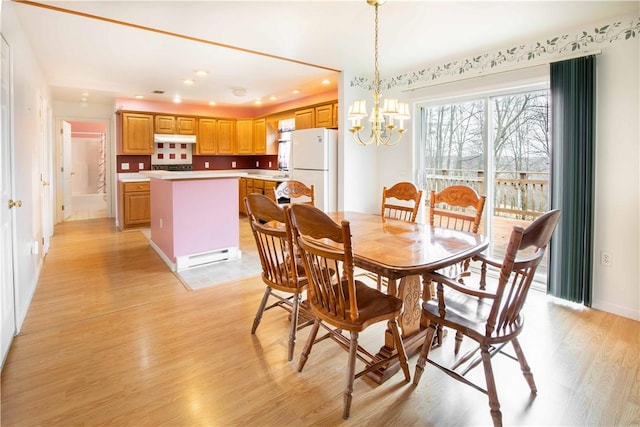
{"x": 403, "y": 252}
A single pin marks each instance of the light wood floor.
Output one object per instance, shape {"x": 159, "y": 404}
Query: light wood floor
{"x": 113, "y": 338}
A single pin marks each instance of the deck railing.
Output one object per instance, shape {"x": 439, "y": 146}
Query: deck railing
{"x": 517, "y": 194}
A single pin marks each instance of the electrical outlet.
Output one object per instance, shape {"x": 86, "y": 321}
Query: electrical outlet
{"x": 125, "y": 166}
{"x": 233, "y": 164}
{"x": 140, "y": 166}
{"x": 605, "y": 258}
{"x": 206, "y": 165}
{"x": 257, "y": 163}
{"x": 269, "y": 164}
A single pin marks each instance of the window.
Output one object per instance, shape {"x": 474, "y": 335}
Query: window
{"x": 499, "y": 145}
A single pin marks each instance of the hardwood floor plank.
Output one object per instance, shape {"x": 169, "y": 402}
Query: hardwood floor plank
{"x": 113, "y": 338}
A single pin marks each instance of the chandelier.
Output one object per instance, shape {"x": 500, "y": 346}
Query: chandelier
{"x": 384, "y": 131}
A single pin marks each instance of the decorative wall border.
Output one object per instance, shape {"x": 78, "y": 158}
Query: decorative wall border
{"x": 566, "y": 43}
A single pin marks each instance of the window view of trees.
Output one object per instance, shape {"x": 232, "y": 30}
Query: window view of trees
{"x": 515, "y": 127}
{"x": 454, "y": 138}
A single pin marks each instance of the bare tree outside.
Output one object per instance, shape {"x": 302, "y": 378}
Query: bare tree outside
{"x": 518, "y": 134}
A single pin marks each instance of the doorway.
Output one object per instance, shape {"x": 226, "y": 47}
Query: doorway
{"x": 84, "y": 160}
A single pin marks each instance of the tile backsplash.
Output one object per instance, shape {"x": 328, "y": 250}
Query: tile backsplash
{"x": 171, "y": 153}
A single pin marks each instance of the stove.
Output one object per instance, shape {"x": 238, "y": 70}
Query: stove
{"x": 181, "y": 167}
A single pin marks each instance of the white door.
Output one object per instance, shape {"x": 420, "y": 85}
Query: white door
{"x": 66, "y": 171}
{"x": 44, "y": 124}
{"x": 7, "y": 300}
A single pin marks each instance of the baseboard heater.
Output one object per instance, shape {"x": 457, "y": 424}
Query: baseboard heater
{"x": 195, "y": 260}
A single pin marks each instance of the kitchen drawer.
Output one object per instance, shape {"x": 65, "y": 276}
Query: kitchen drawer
{"x": 136, "y": 186}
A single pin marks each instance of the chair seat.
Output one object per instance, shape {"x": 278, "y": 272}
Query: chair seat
{"x": 466, "y": 314}
{"x": 373, "y": 306}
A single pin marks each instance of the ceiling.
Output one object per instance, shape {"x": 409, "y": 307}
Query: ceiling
{"x": 99, "y": 50}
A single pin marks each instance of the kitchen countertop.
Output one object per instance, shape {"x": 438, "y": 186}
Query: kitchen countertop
{"x": 200, "y": 174}
{"x": 132, "y": 177}
{"x": 267, "y": 175}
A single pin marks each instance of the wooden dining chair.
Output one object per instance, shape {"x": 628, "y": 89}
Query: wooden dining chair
{"x": 401, "y": 191}
{"x": 392, "y": 208}
{"x": 492, "y": 318}
{"x": 450, "y": 208}
{"x": 457, "y": 207}
{"x": 282, "y": 273}
{"x": 337, "y": 299}
{"x": 296, "y": 192}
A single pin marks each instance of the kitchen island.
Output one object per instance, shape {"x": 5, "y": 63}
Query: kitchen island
{"x": 194, "y": 216}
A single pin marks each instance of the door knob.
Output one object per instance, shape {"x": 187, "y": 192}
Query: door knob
{"x": 17, "y": 203}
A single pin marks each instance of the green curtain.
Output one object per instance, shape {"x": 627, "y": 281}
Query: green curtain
{"x": 572, "y": 178}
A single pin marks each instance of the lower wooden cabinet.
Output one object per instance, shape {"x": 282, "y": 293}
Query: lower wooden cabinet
{"x": 136, "y": 204}
{"x": 255, "y": 185}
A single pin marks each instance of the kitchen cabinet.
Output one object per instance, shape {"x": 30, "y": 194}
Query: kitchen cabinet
{"x": 242, "y": 193}
{"x": 136, "y": 204}
{"x": 175, "y": 125}
{"x": 260, "y": 186}
{"x": 136, "y": 136}
{"x": 324, "y": 116}
{"x": 260, "y": 136}
{"x": 226, "y": 136}
{"x": 206, "y": 142}
{"x": 305, "y": 119}
{"x": 244, "y": 136}
{"x": 335, "y": 115}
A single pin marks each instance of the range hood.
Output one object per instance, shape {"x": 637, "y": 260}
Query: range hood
{"x": 177, "y": 139}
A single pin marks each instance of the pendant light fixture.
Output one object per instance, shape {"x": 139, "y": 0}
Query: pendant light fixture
{"x": 383, "y": 118}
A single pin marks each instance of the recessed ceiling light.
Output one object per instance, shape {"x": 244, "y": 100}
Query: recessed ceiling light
{"x": 200, "y": 72}
{"x": 85, "y": 93}
{"x": 326, "y": 81}
{"x": 139, "y": 97}
{"x": 258, "y": 101}
{"x": 177, "y": 100}
{"x": 212, "y": 103}
{"x": 188, "y": 81}
{"x": 295, "y": 91}
{"x": 83, "y": 99}
{"x": 273, "y": 98}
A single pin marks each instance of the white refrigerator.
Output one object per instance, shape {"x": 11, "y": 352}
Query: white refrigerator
{"x": 314, "y": 161}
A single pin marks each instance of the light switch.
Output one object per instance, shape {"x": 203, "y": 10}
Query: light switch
{"x": 257, "y": 163}
{"x": 269, "y": 164}
{"x": 125, "y": 166}
{"x": 206, "y": 165}
{"x": 233, "y": 164}
{"x": 140, "y": 166}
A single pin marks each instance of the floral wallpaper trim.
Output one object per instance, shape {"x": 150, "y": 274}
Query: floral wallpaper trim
{"x": 615, "y": 31}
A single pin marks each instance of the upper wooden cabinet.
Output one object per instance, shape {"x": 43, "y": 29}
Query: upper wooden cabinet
{"x": 136, "y": 136}
{"x": 206, "y": 142}
{"x": 260, "y": 136}
{"x": 244, "y": 136}
{"x": 305, "y": 119}
{"x": 175, "y": 125}
{"x": 226, "y": 136}
{"x": 324, "y": 116}
{"x": 319, "y": 116}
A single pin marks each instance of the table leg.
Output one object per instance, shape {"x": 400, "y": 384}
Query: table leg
{"x": 409, "y": 290}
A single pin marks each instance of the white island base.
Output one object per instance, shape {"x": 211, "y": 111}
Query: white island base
{"x": 194, "y": 217}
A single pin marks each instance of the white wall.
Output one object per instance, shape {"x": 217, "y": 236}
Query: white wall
{"x": 28, "y": 86}
{"x": 616, "y": 288}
